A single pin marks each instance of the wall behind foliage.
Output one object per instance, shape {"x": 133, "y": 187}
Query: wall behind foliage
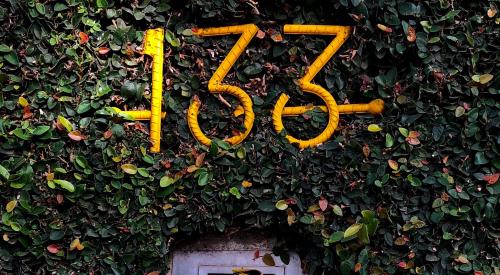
{"x": 80, "y": 192}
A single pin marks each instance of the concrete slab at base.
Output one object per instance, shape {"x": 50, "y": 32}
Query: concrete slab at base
{"x": 222, "y": 254}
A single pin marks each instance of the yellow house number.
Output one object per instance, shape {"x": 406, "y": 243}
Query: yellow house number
{"x": 153, "y": 46}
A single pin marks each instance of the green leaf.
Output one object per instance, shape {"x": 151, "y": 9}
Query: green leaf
{"x": 129, "y": 168}
{"x": 253, "y": 69}
{"x": 60, "y": 7}
{"x": 281, "y": 205}
{"x": 15, "y": 226}
{"x": 187, "y": 32}
{"x": 83, "y": 107}
{"x": 337, "y": 210}
{"x": 167, "y": 181}
{"x": 480, "y": 158}
{"x": 139, "y": 15}
{"x": 101, "y": 3}
{"x": 266, "y": 206}
{"x": 450, "y": 15}
{"x": 336, "y": 236}
{"x": 4, "y": 48}
{"x": 434, "y": 40}
{"x": 235, "y": 192}
{"x": 171, "y": 39}
{"x": 12, "y": 58}
{"x": 352, "y": 230}
{"x": 130, "y": 90}
{"x": 374, "y": 128}
{"x": 51, "y": 184}
{"x": 203, "y": 178}
{"x": 346, "y": 267}
{"x": 483, "y": 79}
{"x": 65, "y": 185}
{"x": 404, "y": 132}
{"x": 389, "y": 140}
{"x": 40, "y": 8}
{"x": 307, "y": 219}
{"x": 40, "y": 130}
{"x": 355, "y": 3}
{"x": 459, "y": 111}
{"x": 368, "y": 215}
{"x": 363, "y": 235}
{"x": 56, "y": 235}
{"x": 65, "y": 123}
{"x": 18, "y": 132}
{"x": 224, "y": 145}
{"x": 241, "y": 153}
{"x": 4, "y": 172}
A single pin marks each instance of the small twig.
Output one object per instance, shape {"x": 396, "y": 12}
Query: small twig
{"x": 224, "y": 101}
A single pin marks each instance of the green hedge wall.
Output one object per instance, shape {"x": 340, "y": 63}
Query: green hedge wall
{"x": 419, "y": 196}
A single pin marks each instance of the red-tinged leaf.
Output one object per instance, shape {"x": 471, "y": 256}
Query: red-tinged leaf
{"x": 323, "y": 204}
{"x": 462, "y": 259}
{"x": 402, "y": 264}
{"x": 290, "y": 201}
{"x": 357, "y": 267}
{"x": 53, "y": 248}
{"x": 103, "y": 50}
{"x": 439, "y": 76}
{"x": 260, "y": 34}
{"x": 411, "y": 36}
{"x": 366, "y": 150}
{"x": 478, "y": 273}
{"x": 400, "y": 241}
{"x": 76, "y": 135}
{"x": 458, "y": 188}
{"x": 27, "y": 112}
{"x": 491, "y": 179}
{"x": 84, "y": 38}
{"x": 492, "y": 11}
{"x": 445, "y": 159}
{"x": 384, "y": 28}
{"x": 411, "y": 255}
{"x": 413, "y": 134}
{"x": 108, "y": 134}
{"x": 413, "y": 141}
{"x": 199, "y": 159}
{"x": 192, "y": 168}
{"x": 275, "y": 35}
{"x": 393, "y": 164}
{"x": 154, "y": 273}
{"x": 256, "y": 254}
{"x": 291, "y": 217}
{"x": 59, "y": 198}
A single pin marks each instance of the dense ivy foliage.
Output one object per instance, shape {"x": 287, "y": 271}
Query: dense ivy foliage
{"x": 417, "y": 194}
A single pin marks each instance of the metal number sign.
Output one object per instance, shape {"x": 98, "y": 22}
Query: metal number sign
{"x": 215, "y": 84}
{"x": 153, "y": 46}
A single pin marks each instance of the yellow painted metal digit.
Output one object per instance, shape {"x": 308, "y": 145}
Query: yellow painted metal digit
{"x": 215, "y": 84}
{"x": 153, "y": 46}
{"x": 341, "y": 33}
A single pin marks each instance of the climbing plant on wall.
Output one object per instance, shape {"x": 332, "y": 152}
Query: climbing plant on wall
{"x": 414, "y": 190}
